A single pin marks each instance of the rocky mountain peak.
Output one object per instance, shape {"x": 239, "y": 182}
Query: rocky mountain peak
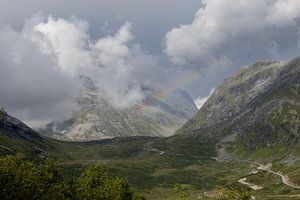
{"x": 87, "y": 83}
{"x": 96, "y": 118}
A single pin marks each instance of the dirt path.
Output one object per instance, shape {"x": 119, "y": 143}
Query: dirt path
{"x": 224, "y": 156}
{"x": 267, "y": 168}
{"x": 250, "y": 185}
{"x": 160, "y": 152}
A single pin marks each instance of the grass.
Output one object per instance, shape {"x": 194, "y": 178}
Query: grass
{"x": 158, "y": 175}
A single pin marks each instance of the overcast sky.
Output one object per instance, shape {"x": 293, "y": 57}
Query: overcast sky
{"x": 151, "y": 19}
{"x": 45, "y": 45}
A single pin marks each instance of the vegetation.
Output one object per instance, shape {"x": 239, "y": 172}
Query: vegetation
{"x": 23, "y": 179}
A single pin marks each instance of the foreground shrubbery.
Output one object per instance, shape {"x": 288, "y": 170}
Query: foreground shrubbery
{"x": 22, "y": 179}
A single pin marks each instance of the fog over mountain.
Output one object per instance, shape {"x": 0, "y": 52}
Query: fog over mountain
{"x": 47, "y": 46}
{"x": 50, "y": 54}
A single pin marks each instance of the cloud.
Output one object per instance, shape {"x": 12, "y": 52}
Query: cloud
{"x": 31, "y": 87}
{"x": 113, "y": 50}
{"x": 284, "y": 13}
{"x": 236, "y": 30}
{"x": 149, "y": 29}
{"x": 66, "y": 41}
{"x": 105, "y": 59}
{"x": 201, "y": 100}
{"x": 42, "y": 63}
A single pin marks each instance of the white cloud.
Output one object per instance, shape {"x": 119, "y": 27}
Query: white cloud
{"x": 67, "y": 41}
{"x": 31, "y": 87}
{"x": 229, "y": 28}
{"x": 201, "y": 100}
{"x": 42, "y": 63}
{"x": 108, "y": 60}
{"x": 113, "y": 50}
{"x": 283, "y": 13}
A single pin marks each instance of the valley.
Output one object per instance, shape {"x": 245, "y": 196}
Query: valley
{"x": 250, "y": 124}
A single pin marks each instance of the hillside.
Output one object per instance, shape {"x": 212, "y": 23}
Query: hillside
{"x": 18, "y": 137}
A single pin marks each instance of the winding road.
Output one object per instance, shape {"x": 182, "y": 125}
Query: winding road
{"x": 267, "y": 168}
{"x": 284, "y": 178}
{"x": 224, "y": 156}
{"x": 250, "y": 185}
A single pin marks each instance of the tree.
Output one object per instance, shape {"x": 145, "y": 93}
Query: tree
{"x": 22, "y": 179}
{"x": 95, "y": 184}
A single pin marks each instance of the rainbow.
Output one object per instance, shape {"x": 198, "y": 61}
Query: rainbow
{"x": 184, "y": 80}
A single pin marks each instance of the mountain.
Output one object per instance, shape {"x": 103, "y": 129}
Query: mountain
{"x": 98, "y": 119}
{"x": 260, "y": 104}
{"x": 182, "y": 103}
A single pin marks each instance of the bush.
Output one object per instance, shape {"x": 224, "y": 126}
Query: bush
{"x": 21, "y": 179}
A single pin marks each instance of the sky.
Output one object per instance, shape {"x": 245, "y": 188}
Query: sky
{"x": 125, "y": 46}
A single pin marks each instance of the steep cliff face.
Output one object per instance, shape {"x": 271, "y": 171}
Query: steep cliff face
{"x": 98, "y": 119}
{"x": 259, "y": 102}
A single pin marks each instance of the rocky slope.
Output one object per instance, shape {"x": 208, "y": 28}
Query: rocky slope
{"x": 261, "y": 103}
{"x": 98, "y": 119}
